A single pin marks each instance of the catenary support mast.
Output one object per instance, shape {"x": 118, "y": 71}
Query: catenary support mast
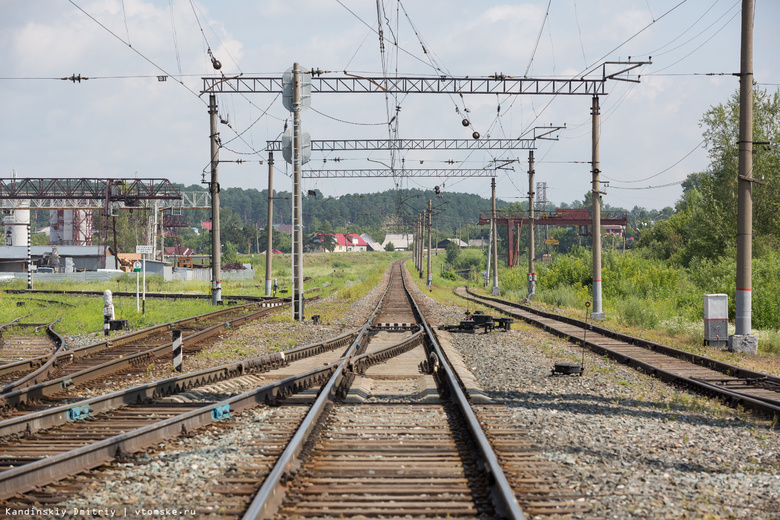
{"x": 531, "y": 248}
{"x": 216, "y": 257}
{"x": 743, "y": 340}
{"x": 597, "y": 313}
{"x": 269, "y": 244}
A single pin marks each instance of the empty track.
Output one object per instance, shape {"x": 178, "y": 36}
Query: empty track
{"x": 735, "y": 385}
{"x": 383, "y": 429}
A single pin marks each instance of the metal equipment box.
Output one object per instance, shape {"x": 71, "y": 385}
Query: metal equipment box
{"x": 716, "y": 320}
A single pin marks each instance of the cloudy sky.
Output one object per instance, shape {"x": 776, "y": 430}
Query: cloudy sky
{"x": 124, "y": 122}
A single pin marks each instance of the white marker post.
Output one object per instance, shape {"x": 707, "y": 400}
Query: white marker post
{"x": 177, "y": 350}
{"x": 143, "y": 251}
{"x": 137, "y": 271}
{"x": 108, "y": 311}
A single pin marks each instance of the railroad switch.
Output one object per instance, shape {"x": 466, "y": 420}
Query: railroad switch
{"x": 567, "y": 369}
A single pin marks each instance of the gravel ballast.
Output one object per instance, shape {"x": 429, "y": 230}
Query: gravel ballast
{"x": 632, "y": 446}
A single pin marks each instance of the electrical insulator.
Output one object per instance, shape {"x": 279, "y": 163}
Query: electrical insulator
{"x": 475, "y": 135}
{"x": 436, "y": 190}
{"x": 215, "y": 63}
{"x": 465, "y": 122}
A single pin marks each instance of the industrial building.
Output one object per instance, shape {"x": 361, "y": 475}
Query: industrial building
{"x": 61, "y": 259}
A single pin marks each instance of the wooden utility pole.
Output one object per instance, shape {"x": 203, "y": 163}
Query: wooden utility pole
{"x": 216, "y": 258}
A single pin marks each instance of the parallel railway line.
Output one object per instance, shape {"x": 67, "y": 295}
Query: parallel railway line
{"x": 735, "y": 385}
{"x": 348, "y": 435}
{"x": 36, "y": 382}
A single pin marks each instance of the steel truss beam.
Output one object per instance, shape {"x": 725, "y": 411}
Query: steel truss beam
{"x": 442, "y": 85}
{"x": 334, "y": 145}
{"x": 42, "y": 193}
{"x": 421, "y": 172}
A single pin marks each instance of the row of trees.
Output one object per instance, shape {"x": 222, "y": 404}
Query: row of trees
{"x": 704, "y": 223}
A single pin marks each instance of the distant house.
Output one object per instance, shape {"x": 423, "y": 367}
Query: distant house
{"x": 179, "y": 251}
{"x": 373, "y": 245}
{"x": 447, "y": 241}
{"x": 284, "y": 228}
{"x": 400, "y": 242}
{"x": 614, "y": 229}
{"x": 344, "y": 243}
{"x": 478, "y": 242}
{"x": 349, "y": 243}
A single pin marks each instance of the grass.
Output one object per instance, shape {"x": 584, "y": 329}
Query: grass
{"x": 349, "y": 275}
{"x": 651, "y": 317}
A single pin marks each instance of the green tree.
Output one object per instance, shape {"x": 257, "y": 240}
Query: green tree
{"x": 453, "y": 251}
{"x": 229, "y": 254}
{"x": 705, "y": 221}
{"x": 389, "y": 247}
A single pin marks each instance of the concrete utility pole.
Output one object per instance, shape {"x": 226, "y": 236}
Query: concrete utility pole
{"x": 421, "y": 239}
{"x": 29, "y": 256}
{"x": 297, "y": 210}
{"x": 270, "y": 227}
{"x": 430, "y": 231}
{"x": 417, "y": 246}
{"x": 531, "y": 248}
{"x": 216, "y": 252}
{"x": 743, "y": 340}
{"x": 495, "y": 239}
{"x": 598, "y": 313}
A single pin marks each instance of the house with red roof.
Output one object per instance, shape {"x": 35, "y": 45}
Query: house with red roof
{"x": 346, "y": 243}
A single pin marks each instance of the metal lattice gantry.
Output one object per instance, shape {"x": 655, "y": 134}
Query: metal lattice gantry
{"x": 342, "y": 145}
{"x": 81, "y": 193}
{"x": 398, "y": 173}
{"x": 498, "y": 84}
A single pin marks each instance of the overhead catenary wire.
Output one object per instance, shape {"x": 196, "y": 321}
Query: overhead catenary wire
{"x": 662, "y": 171}
{"x": 148, "y": 60}
{"x": 538, "y": 37}
{"x": 658, "y": 51}
{"x": 173, "y": 33}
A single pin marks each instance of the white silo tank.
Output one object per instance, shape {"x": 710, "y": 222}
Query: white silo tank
{"x": 15, "y": 225}
{"x": 55, "y": 226}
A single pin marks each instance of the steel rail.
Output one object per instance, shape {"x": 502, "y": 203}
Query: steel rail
{"x": 763, "y": 405}
{"x": 31, "y": 364}
{"x": 53, "y": 386}
{"x": 272, "y": 492}
{"x": 29, "y": 476}
{"x": 45, "y": 369}
{"x": 359, "y": 364}
{"x": 704, "y": 361}
{"x": 45, "y": 419}
{"x": 501, "y": 492}
{"x": 132, "y": 294}
{"x": 90, "y": 350}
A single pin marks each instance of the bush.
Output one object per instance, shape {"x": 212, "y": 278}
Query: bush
{"x": 469, "y": 258}
{"x": 563, "y": 296}
{"x": 449, "y": 275}
{"x": 638, "y": 313}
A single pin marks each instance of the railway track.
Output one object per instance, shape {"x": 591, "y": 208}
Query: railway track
{"x": 44, "y": 381}
{"x": 734, "y": 385}
{"x": 348, "y": 434}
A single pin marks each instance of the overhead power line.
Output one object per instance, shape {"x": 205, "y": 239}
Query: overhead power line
{"x": 142, "y": 55}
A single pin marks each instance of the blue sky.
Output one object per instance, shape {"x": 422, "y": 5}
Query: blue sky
{"x": 123, "y": 122}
